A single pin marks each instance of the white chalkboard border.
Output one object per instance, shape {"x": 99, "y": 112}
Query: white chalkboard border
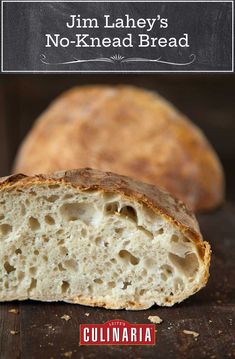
{"x": 117, "y": 71}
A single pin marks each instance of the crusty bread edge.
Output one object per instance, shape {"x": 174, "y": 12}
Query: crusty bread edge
{"x": 87, "y": 179}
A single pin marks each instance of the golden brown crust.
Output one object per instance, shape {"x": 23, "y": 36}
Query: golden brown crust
{"x": 128, "y": 131}
{"x": 159, "y": 201}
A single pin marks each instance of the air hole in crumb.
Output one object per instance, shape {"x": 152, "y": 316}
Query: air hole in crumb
{"x": 45, "y": 238}
{"x": 146, "y": 232}
{"x": 164, "y": 277}
{"x": 52, "y": 186}
{"x": 34, "y": 224}
{"x": 9, "y": 268}
{"x": 6, "y": 285}
{"x": 68, "y": 196}
{"x": 49, "y": 219}
{"x": 175, "y": 238}
{"x": 186, "y": 240}
{"x": 36, "y": 252}
{"x": 61, "y": 241}
{"x": 129, "y": 212}
{"x": 142, "y": 291}
{"x": 98, "y": 240}
{"x": 33, "y": 193}
{"x": 61, "y": 268}
{"x": 5, "y": 229}
{"x": 20, "y": 275}
{"x": 18, "y": 251}
{"x": 98, "y": 281}
{"x": 113, "y": 260}
{"x": 33, "y": 284}
{"x": 63, "y": 250}
{"x": 167, "y": 270}
{"x": 188, "y": 265}
{"x": 74, "y": 211}
{"x": 128, "y": 257}
{"x": 45, "y": 258}
{"x": 65, "y": 286}
{"x": 32, "y": 270}
{"x": 52, "y": 198}
{"x": 160, "y": 231}
{"x": 70, "y": 264}
{"x": 111, "y": 207}
{"x": 111, "y": 284}
{"x": 126, "y": 284}
{"x": 2, "y": 217}
{"x": 119, "y": 230}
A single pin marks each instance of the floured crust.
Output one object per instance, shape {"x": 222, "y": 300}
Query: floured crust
{"x": 128, "y": 131}
{"x": 159, "y": 201}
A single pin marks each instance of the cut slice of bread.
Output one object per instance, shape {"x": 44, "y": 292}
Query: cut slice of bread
{"x": 99, "y": 239}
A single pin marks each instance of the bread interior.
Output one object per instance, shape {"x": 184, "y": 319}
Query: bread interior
{"x": 91, "y": 247}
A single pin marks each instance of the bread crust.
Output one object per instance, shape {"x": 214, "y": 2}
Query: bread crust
{"x": 129, "y": 131}
{"x": 159, "y": 201}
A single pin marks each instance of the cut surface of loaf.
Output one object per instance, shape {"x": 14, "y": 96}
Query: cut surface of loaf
{"x": 98, "y": 239}
{"x": 129, "y": 131}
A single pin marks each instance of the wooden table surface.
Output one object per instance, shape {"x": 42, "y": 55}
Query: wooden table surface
{"x": 39, "y": 330}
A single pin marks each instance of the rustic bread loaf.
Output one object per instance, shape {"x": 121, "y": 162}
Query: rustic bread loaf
{"x": 99, "y": 239}
{"x": 129, "y": 131}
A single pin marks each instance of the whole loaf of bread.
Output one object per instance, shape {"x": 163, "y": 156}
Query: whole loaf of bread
{"x": 129, "y": 131}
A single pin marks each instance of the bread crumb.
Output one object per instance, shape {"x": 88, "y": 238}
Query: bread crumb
{"x": 68, "y": 354}
{"x": 220, "y": 332}
{"x": 155, "y": 319}
{"x": 14, "y": 311}
{"x": 66, "y": 317}
{"x": 13, "y": 332}
{"x": 191, "y": 332}
{"x": 87, "y": 314}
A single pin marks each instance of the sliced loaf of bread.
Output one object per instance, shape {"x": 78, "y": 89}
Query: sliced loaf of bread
{"x": 99, "y": 239}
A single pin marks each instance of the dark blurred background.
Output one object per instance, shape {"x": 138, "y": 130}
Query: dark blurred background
{"x": 208, "y": 100}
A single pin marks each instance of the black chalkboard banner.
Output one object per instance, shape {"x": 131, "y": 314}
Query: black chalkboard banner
{"x": 115, "y": 36}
